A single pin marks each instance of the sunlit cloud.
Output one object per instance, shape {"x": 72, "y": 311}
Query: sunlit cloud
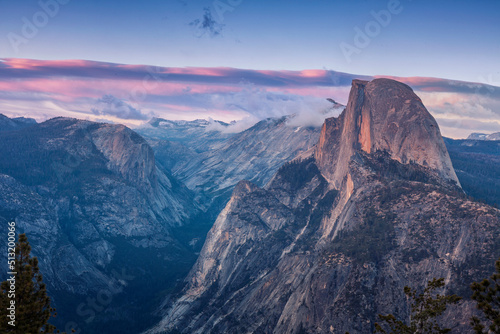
{"x": 131, "y": 94}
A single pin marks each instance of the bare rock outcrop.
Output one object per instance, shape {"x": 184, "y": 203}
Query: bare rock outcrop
{"x": 330, "y": 242}
{"x": 382, "y": 115}
{"x": 94, "y": 205}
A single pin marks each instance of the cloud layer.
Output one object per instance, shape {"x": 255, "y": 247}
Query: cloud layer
{"x": 109, "y": 105}
{"x": 131, "y": 94}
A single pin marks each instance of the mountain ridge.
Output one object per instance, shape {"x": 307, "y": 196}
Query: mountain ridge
{"x": 16, "y": 123}
{"x": 483, "y": 136}
{"x": 93, "y": 202}
{"x": 327, "y": 245}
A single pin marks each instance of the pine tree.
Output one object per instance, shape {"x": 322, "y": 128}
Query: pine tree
{"x": 425, "y": 309}
{"x": 487, "y": 296}
{"x": 32, "y": 304}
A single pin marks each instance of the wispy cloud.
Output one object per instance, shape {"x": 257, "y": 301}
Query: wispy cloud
{"x": 134, "y": 93}
{"x": 448, "y": 86}
{"x": 109, "y": 105}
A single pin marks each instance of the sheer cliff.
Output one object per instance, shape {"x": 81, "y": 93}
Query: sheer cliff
{"x": 211, "y": 163}
{"x": 96, "y": 208}
{"x": 382, "y": 115}
{"x": 334, "y": 236}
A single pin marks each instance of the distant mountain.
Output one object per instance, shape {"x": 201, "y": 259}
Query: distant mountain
{"x": 254, "y": 154}
{"x": 482, "y": 136}
{"x": 180, "y": 143}
{"x": 211, "y": 162}
{"x": 9, "y": 124}
{"x": 101, "y": 204}
{"x": 96, "y": 208}
{"x": 476, "y": 163}
{"x": 198, "y": 135}
{"x": 216, "y": 169}
{"x": 213, "y": 170}
{"x": 330, "y": 242}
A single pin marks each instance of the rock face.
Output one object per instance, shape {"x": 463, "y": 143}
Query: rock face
{"x": 330, "y": 242}
{"x": 382, "y": 115}
{"x": 198, "y": 136}
{"x": 94, "y": 204}
{"x": 254, "y": 154}
{"x": 211, "y": 163}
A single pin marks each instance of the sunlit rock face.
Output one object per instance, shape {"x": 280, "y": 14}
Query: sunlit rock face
{"x": 332, "y": 239}
{"x": 382, "y": 115}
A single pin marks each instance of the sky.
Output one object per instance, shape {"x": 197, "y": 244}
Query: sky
{"x": 237, "y": 59}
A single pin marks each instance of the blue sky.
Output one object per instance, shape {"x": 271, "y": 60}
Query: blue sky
{"x": 245, "y": 60}
{"x": 449, "y": 39}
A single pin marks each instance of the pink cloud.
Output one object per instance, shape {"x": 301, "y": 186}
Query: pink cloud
{"x": 313, "y": 73}
{"x": 21, "y": 63}
{"x": 71, "y": 87}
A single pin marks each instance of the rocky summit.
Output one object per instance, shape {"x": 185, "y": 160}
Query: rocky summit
{"x": 382, "y": 115}
{"x": 97, "y": 210}
{"x": 332, "y": 239}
